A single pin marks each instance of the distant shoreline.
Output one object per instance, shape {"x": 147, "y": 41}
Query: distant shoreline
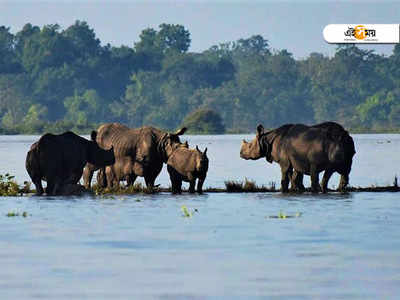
{"x": 201, "y": 134}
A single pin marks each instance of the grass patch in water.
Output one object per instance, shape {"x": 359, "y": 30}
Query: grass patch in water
{"x": 136, "y": 188}
{"x": 9, "y": 187}
{"x": 247, "y": 186}
{"x": 233, "y": 186}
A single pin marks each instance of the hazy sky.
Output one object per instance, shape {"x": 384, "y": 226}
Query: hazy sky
{"x": 293, "y": 25}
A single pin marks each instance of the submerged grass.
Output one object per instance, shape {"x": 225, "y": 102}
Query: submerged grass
{"x": 9, "y": 187}
{"x": 136, "y": 188}
{"x": 247, "y": 186}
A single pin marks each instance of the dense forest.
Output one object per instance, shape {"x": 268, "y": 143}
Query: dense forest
{"x": 54, "y": 79}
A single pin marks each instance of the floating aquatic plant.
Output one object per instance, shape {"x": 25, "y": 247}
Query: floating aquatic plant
{"x": 282, "y": 215}
{"x": 17, "y": 214}
{"x": 186, "y": 212}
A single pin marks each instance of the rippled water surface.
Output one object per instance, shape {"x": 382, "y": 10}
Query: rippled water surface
{"x": 140, "y": 247}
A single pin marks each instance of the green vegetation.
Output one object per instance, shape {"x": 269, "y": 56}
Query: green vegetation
{"x": 282, "y": 215}
{"x": 125, "y": 190}
{"x": 205, "y": 121}
{"x": 186, "y": 213}
{"x": 8, "y": 186}
{"x": 54, "y": 79}
{"x": 247, "y": 186}
{"x": 17, "y": 214}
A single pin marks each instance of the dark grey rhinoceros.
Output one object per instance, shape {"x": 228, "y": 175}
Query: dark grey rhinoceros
{"x": 187, "y": 165}
{"x": 138, "y": 152}
{"x": 60, "y": 159}
{"x": 336, "y": 132}
{"x": 304, "y": 149}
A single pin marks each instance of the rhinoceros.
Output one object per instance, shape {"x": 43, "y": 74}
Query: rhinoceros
{"x": 336, "y": 132}
{"x": 138, "y": 152}
{"x": 187, "y": 165}
{"x": 60, "y": 159}
{"x": 304, "y": 149}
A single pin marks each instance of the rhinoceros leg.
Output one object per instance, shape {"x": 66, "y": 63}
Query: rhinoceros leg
{"x": 151, "y": 175}
{"x": 286, "y": 171}
{"x": 101, "y": 178}
{"x": 192, "y": 186}
{"x": 49, "y": 187}
{"x": 74, "y": 178}
{"x": 176, "y": 180}
{"x": 297, "y": 182}
{"x": 200, "y": 185}
{"x": 53, "y": 185}
{"x": 344, "y": 181}
{"x": 112, "y": 177}
{"x": 176, "y": 185}
{"x": 324, "y": 184}
{"x": 130, "y": 179}
{"x": 315, "y": 188}
{"x": 149, "y": 180}
{"x": 39, "y": 187}
{"x": 88, "y": 175}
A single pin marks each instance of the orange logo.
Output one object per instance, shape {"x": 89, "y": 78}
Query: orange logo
{"x": 360, "y": 32}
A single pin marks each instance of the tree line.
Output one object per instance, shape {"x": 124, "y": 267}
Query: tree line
{"x": 54, "y": 79}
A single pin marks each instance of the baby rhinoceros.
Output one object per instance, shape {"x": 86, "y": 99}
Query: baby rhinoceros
{"x": 187, "y": 165}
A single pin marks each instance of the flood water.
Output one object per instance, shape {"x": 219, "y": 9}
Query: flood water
{"x": 141, "y": 247}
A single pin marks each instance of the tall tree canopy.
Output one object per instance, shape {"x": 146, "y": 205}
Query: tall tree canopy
{"x": 53, "y": 79}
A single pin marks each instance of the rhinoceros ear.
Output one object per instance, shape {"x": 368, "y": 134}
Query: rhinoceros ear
{"x": 181, "y": 131}
{"x": 205, "y": 151}
{"x": 260, "y": 129}
{"x": 93, "y": 135}
{"x": 197, "y": 148}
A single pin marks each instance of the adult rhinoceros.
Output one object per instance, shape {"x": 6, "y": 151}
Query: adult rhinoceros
{"x": 336, "y": 132}
{"x": 107, "y": 135}
{"x": 60, "y": 159}
{"x": 306, "y": 149}
{"x": 138, "y": 152}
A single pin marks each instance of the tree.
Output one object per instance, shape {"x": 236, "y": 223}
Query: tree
{"x": 83, "y": 39}
{"x": 173, "y": 38}
{"x": 8, "y": 58}
{"x": 204, "y": 120}
{"x": 85, "y": 108}
{"x": 46, "y": 49}
{"x": 13, "y": 102}
{"x": 34, "y": 120}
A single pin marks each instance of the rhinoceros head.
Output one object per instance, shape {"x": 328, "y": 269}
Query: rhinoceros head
{"x": 201, "y": 160}
{"x": 253, "y": 150}
{"x": 171, "y": 141}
